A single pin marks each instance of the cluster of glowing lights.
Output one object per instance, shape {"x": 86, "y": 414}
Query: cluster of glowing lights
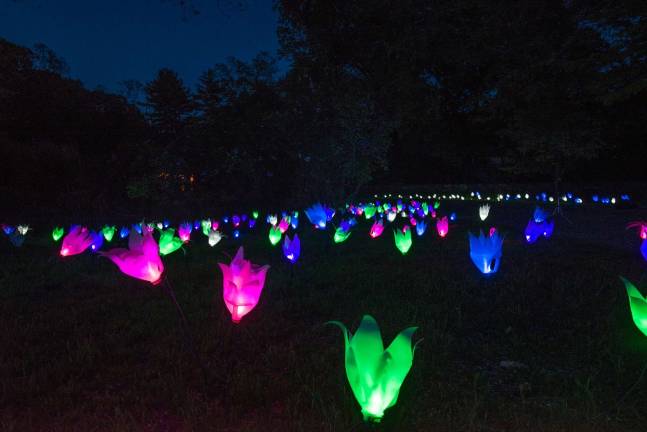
{"x": 376, "y": 375}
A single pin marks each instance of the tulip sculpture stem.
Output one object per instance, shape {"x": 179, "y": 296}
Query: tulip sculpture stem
{"x": 184, "y": 324}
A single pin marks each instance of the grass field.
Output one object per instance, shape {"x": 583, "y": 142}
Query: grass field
{"x": 546, "y": 344}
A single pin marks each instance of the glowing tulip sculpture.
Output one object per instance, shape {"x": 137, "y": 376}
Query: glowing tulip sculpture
{"x": 376, "y": 375}
{"x": 637, "y": 305}
{"x": 533, "y": 231}
{"x": 205, "y": 225}
{"x": 376, "y": 229}
{"x": 421, "y": 227}
{"x": 242, "y": 285}
{"x": 272, "y": 219}
{"x": 486, "y": 252}
{"x": 16, "y": 238}
{"x": 318, "y": 215}
{"x": 484, "y": 211}
{"x": 275, "y": 235}
{"x": 184, "y": 232}
{"x": 141, "y": 260}
{"x": 76, "y": 241}
{"x": 442, "y": 226}
{"x": 123, "y": 232}
{"x": 369, "y": 211}
{"x": 403, "y": 239}
{"x": 168, "y": 242}
{"x": 642, "y": 228}
{"x": 97, "y": 241}
{"x": 108, "y": 232}
{"x": 390, "y": 216}
{"x": 214, "y": 237}
{"x": 57, "y": 233}
{"x": 22, "y": 229}
{"x": 643, "y": 249}
{"x": 8, "y": 229}
{"x": 292, "y": 248}
{"x": 540, "y": 215}
{"x": 284, "y": 224}
{"x": 341, "y": 234}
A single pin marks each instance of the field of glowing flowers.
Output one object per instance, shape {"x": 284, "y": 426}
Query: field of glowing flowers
{"x": 519, "y": 319}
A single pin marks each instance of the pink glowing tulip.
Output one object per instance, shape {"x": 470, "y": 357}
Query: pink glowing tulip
{"x": 76, "y": 241}
{"x": 141, "y": 260}
{"x": 242, "y": 284}
{"x": 492, "y": 231}
{"x": 442, "y": 226}
{"x": 377, "y": 229}
{"x": 642, "y": 228}
{"x": 284, "y": 225}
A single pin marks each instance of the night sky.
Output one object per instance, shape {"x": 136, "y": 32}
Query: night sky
{"x": 105, "y": 42}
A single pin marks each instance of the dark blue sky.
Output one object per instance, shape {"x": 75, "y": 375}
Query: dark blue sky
{"x": 107, "y": 41}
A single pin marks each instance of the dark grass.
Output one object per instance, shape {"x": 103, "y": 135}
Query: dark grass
{"x": 85, "y": 348}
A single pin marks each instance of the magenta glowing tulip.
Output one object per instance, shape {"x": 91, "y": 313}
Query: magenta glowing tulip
{"x": 141, "y": 260}
{"x": 492, "y": 231}
{"x": 184, "y": 232}
{"x": 76, "y": 241}
{"x": 242, "y": 284}
{"x": 284, "y": 225}
{"x": 377, "y": 229}
{"x": 642, "y": 228}
{"x": 442, "y": 226}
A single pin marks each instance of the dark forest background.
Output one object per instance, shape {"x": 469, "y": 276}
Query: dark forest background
{"x": 377, "y": 93}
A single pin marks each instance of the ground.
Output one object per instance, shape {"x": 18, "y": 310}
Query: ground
{"x": 546, "y": 344}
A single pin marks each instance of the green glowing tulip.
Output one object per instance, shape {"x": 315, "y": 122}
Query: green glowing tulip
{"x": 425, "y": 208}
{"x": 108, "y": 232}
{"x": 168, "y": 242}
{"x": 205, "y": 224}
{"x": 255, "y": 214}
{"x": 275, "y": 235}
{"x": 375, "y": 375}
{"x": 403, "y": 240}
{"x": 638, "y": 306}
{"x": 436, "y": 204}
{"x": 341, "y": 235}
{"x": 57, "y": 233}
{"x": 369, "y": 211}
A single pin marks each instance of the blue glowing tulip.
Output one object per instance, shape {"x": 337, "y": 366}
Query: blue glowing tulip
{"x": 97, "y": 241}
{"x": 540, "y": 215}
{"x": 318, "y": 215}
{"x": 8, "y": 229}
{"x": 643, "y": 249}
{"x": 16, "y": 238}
{"x": 123, "y": 232}
{"x": 486, "y": 252}
{"x": 421, "y": 227}
{"x": 292, "y": 248}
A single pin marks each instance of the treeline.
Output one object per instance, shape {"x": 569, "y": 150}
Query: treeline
{"x": 376, "y": 93}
